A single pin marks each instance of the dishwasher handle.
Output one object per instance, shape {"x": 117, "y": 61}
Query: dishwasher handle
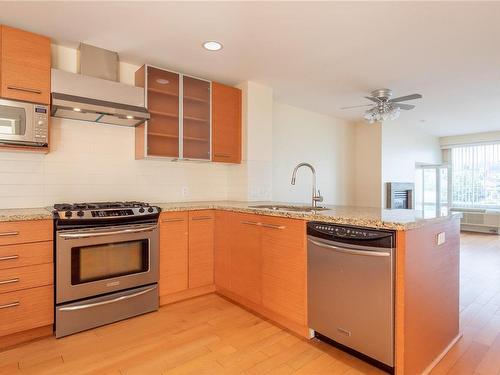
{"x": 350, "y": 251}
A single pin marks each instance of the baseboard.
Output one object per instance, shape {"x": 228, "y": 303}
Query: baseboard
{"x": 186, "y": 294}
{"x": 434, "y": 363}
{"x": 9, "y": 341}
{"x": 298, "y": 329}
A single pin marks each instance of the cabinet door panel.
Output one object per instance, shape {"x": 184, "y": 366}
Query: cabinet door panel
{"x": 246, "y": 258}
{"x": 173, "y": 252}
{"x": 224, "y": 229}
{"x": 163, "y": 105}
{"x": 284, "y": 267}
{"x": 25, "y": 66}
{"x": 226, "y": 123}
{"x": 196, "y": 118}
{"x": 201, "y": 248}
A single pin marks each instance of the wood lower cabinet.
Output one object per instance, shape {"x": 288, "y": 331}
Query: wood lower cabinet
{"x": 25, "y": 66}
{"x": 226, "y": 123}
{"x": 261, "y": 262}
{"x": 284, "y": 268}
{"x": 224, "y": 227}
{"x": 173, "y": 252}
{"x": 186, "y": 254}
{"x": 246, "y": 258}
{"x": 201, "y": 248}
{"x": 26, "y": 281}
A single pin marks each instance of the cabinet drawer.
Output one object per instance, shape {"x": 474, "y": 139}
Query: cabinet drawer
{"x": 25, "y": 277}
{"x": 12, "y": 232}
{"x": 25, "y": 66}
{"x": 26, "y": 309}
{"x": 27, "y": 254}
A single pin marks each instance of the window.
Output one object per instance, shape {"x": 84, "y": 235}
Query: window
{"x": 476, "y": 176}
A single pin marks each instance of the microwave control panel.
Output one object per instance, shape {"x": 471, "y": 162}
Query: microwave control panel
{"x": 41, "y": 123}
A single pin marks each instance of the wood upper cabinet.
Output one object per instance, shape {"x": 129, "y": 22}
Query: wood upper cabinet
{"x": 180, "y": 124}
{"x": 25, "y": 66}
{"x": 246, "y": 258}
{"x": 284, "y": 267}
{"x": 173, "y": 252}
{"x": 226, "y": 123}
{"x": 201, "y": 248}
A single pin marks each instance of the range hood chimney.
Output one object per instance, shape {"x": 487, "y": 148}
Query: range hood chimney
{"x": 94, "y": 95}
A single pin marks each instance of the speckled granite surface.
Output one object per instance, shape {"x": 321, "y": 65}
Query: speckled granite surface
{"x": 18, "y": 214}
{"x": 357, "y": 216}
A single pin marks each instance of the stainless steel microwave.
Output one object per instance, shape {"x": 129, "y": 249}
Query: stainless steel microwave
{"x": 23, "y": 123}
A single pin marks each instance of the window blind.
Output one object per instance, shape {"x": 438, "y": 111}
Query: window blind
{"x": 476, "y": 176}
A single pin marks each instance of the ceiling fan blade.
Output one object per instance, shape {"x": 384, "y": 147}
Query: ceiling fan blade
{"x": 357, "y": 106}
{"x": 406, "y": 107}
{"x": 373, "y": 99}
{"x": 404, "y": 98}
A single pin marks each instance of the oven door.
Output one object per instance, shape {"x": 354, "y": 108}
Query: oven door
{"x": 16, "y": 122}
{"x": 95, "y": 261}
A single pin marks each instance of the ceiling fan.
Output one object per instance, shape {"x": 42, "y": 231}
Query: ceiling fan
{"x": 385, "y": 108}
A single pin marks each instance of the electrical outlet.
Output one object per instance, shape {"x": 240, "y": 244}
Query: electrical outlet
{"x": 441, "y": 238}
{"x": 185, "y": 191}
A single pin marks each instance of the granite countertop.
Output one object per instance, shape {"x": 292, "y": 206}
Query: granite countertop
{"x": 19, "y": 214}
{"x": 349, "y": 215}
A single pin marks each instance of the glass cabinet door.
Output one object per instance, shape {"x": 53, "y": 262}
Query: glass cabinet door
{"x": 196, "y": 118}
{"x": 163, "y": 106}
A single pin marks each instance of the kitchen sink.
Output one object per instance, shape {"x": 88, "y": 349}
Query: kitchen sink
{"x": 284, "y": 207}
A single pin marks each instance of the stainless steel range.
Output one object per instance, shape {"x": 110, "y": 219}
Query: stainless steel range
{"x": 106, "y": 263}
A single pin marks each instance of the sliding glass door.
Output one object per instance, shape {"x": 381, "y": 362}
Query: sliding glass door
{"x": 432, "y": 189}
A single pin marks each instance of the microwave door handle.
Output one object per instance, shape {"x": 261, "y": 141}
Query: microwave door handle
{"x": 109, "y": 233}
{"x": 350, "y": 251}
{"x": 122, "y": 298}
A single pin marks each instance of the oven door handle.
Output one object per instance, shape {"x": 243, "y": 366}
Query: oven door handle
{"x": 122, "y": 298}
{"x": 109, "y": 233}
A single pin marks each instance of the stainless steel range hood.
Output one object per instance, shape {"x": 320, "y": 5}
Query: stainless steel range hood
{"x": 87, "y": 98}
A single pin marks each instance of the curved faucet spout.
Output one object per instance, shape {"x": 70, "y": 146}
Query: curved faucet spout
{"x": 316, "y": 197}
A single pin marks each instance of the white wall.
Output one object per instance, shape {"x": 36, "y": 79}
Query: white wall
{"x": 90, "y": 162}
{"x": 252, "y": 180}
{"x": 402, "y": 148}
{"x": 325, "y": 142}
{"x": 367, "y": 156}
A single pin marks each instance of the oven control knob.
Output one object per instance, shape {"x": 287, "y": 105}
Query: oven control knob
{"x": 80, "y": 213}
{"x": 150, "y": 209}
{"x": 141, "y": 210}
{"x": 68, "y": 213}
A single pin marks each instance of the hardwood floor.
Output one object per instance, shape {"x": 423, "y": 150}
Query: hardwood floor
{"x": 210, "y": 335}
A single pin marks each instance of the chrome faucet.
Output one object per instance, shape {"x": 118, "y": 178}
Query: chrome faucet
{"x": 316, "y": 196}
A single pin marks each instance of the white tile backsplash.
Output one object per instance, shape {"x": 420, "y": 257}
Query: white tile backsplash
{"x": 95, "y": 162}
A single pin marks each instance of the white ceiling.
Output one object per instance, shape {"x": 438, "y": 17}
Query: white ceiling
{"x": 320, "y": 56}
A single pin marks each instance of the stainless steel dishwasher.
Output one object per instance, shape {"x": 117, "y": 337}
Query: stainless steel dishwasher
{"x": 351, "y": 289}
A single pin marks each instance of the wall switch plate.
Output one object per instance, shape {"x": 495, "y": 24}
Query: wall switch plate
{"x": 185, "y": 191}
{"x": 441, "y": 238}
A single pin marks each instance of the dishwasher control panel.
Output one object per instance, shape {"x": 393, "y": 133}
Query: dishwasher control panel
{"x": 337, "y": 232}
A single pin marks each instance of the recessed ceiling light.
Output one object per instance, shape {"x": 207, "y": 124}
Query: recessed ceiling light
{"x": 77, "y": 109}
{"x": 162, "y": 81}
{"x": 212, "y": 45}
{"x": 130, "y": 117}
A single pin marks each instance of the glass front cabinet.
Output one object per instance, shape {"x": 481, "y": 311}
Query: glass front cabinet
{"x": 180, "y": 126}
